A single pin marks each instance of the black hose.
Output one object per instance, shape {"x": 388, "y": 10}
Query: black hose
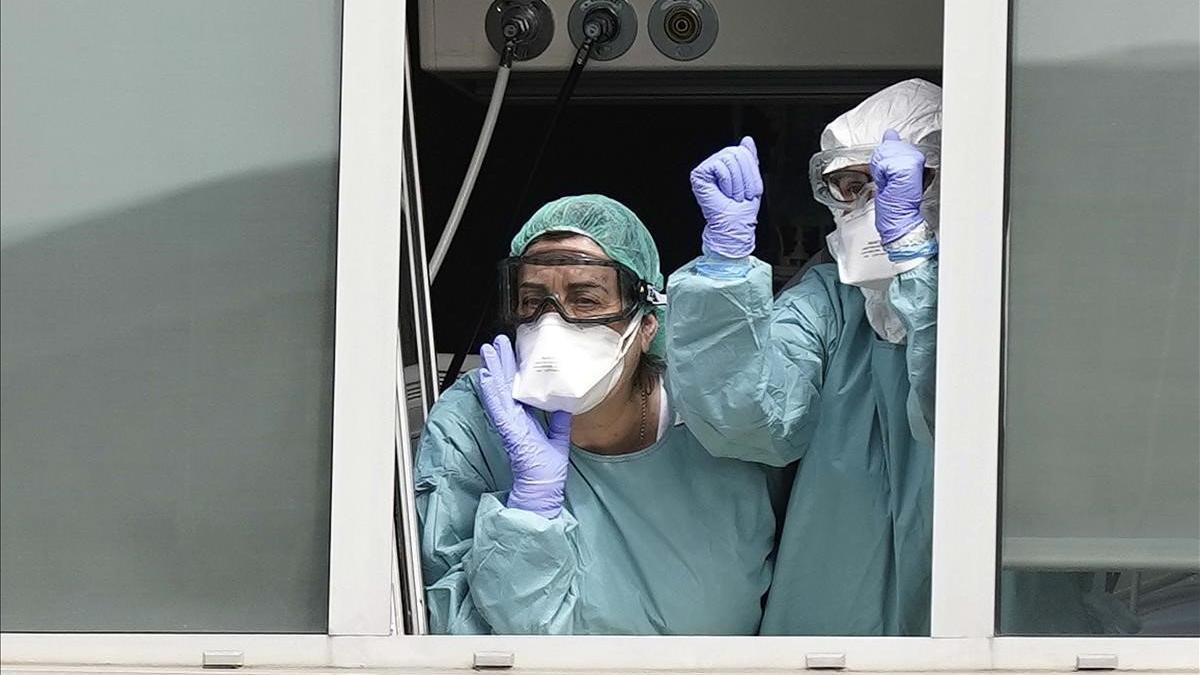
{"x": 564, "y": 95}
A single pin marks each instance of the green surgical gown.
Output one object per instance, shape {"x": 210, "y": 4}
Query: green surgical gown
{"x": 667, "y": 540}
{"x": 803, "y": 378}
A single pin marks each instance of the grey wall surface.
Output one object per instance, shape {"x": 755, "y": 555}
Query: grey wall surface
{"x": 168, "y": 237}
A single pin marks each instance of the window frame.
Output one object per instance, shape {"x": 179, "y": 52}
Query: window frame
{"x": 365, "y": 374}
{"x": 363, "y": 616}
{"x": 366, "y": 348}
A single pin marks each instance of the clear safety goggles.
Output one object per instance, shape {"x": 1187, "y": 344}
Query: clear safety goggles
{"x": 841, "y": 178}
{"x": 581, "y": 289}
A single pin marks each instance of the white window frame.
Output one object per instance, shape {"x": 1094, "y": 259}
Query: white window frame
{"x": 365, "y": 414}
{"x": 362, "y": 539}
{"x": 966, "y": 465}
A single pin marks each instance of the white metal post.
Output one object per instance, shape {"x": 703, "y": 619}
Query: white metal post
{"x": 368, "y": 276}
{"x": 970, "y": 293}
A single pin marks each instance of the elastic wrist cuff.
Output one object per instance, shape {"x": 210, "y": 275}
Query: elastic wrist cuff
{"x": 919, "y": 242}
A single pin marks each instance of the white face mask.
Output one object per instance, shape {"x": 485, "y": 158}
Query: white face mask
{"x": 861, "y": 260}
{"x": 569, "y": 367}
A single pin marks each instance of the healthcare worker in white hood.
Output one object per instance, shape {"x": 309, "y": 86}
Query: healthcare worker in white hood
{"x": 836, "y": 375}
{"x": 556, "y": 491}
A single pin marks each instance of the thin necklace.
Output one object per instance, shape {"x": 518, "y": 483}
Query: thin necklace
{"x": 642, "y": 429}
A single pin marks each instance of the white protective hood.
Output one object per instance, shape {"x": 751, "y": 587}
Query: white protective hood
{"x": 914, "y": 109}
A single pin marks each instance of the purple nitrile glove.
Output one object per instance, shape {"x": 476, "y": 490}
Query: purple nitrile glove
{"x": 538, "y": 457}
{"x": 728, "y": 189}
{"x": 898, "y": 170}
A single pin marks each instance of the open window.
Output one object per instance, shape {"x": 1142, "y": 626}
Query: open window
{"x": 221, "y": 339}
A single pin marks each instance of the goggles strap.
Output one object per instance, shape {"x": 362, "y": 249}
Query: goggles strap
{"x": 655, "y": 297}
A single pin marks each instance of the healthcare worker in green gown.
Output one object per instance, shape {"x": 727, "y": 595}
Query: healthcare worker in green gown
{"x": 556, "y": 491}
{"x": 836, "y": 375}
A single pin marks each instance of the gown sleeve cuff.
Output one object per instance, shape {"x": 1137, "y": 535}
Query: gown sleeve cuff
{"x": 920, "y": 242}
{"x": 522, "y": 567}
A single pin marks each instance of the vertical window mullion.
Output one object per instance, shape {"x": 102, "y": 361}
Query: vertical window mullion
{"x": 966, "y": 472}
{"x": 368, "y": 277}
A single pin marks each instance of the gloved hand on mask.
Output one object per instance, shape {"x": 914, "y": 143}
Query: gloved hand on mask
{"x": 729, "y": 189}
{"x": 898, "y": 171}
{"x": 538, "y": 457}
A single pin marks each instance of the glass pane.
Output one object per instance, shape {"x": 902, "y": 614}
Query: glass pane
{"x": 1101, "y": 479}
{"x": 169, "y": 204}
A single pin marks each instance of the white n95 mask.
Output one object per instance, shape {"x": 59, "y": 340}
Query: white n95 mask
{"x": 862, "y": 262}
{"x": 860, "y": 257}
{"x": 569, "y": 367}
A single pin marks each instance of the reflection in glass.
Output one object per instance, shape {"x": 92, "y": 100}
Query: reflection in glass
{"x": 169, "y": 204}
{"x": 1101, "y": 495}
